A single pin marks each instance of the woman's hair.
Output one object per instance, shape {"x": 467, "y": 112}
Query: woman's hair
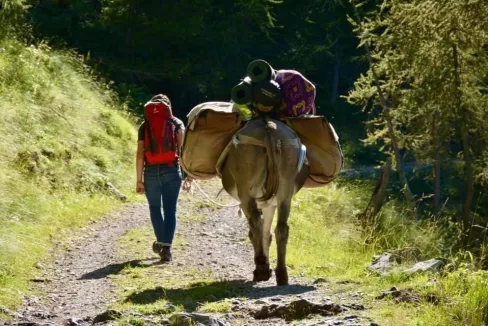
{"x": 163, "y": 98}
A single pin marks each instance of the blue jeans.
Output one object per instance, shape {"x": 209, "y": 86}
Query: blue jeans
{"x": 162, "y": 184}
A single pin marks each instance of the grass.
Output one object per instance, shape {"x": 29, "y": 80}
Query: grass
{"x": 158, "y": 291}
{"x": 326, "y": 241}
{"x": 320, "y": 242}
{"x": 135, "y": 321}
{"x": 216, "y": 307}
{"x": 463, "y": 299}
{"x": 62, "y": 137}
{"x": 24, "y": 244}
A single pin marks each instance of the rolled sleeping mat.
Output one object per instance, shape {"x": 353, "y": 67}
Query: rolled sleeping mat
{"x": 242, "y": 92}
{"x": 259, "y": 70}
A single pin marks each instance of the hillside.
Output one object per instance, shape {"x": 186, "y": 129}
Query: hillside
{"x": 63, "y": 138}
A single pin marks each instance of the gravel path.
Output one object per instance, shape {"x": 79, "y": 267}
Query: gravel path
{"x": 76, "y": 283}
{"x": 77, "y": 286}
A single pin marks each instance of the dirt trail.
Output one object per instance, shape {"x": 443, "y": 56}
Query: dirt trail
{"x": 78, "y": 285}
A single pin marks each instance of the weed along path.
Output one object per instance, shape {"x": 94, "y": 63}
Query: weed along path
{"x": 109, "y": 275}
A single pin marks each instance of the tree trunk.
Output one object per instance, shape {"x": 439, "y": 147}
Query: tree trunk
{"x": 437, "y": 166}
{"x": 389, "y": 122}
{"x": 368, "y": 217}
{"x": 469, "y": 180}
{"x": 335, "y": 81}
{"x": 468, "y": 165}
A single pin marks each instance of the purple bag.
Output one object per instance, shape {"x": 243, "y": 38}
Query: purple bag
{"x": 298, "y": 93}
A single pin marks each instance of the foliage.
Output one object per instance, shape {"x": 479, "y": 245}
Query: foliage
{"x": 196, "y": 51}
{"x": 12, "y": 18}
{"x": 432, "y": 63}
{"x": 414, "y": 44}
{"x": 61, "y": 140}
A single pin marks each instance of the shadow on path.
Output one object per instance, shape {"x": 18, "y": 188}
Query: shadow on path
{"x": 117, "y": 268}
{"x": 212, "y": 292}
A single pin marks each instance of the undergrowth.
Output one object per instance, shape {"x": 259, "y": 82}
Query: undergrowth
{"x": 327, "y": 240}
{"x": 62, "y": 139}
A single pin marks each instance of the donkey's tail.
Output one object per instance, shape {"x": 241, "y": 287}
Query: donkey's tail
{"x": 274, "y": 162}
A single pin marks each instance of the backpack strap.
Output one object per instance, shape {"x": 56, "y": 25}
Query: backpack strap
{"x": 153, "y": 145}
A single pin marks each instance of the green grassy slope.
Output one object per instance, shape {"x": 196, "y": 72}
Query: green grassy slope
{"x": 62, "y": 138}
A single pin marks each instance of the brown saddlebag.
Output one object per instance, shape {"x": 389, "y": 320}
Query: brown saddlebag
{"x": 324, "y": 154}
{"x": 210, "y": 128}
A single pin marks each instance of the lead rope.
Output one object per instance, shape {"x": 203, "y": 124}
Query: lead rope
{"x": 187, "y": 187}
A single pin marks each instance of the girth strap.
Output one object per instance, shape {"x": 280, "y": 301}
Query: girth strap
{"x": 248, "y": 140}
{"x": 244, "y": 139}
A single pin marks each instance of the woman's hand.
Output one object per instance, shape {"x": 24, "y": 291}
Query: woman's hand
{"x": 187, "y": 184}
{"x": 140, "y": 187}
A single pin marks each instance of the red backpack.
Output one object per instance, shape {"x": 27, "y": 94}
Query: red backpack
{"x": 160, "y": 136}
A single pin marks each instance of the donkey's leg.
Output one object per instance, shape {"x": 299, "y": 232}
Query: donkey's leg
{"x": 262, "y": 271}
{"x": 281, "y": 233}
{"x": 268, "y": 215}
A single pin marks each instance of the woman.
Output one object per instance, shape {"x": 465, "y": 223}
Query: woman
{"x": 158, "y": 173}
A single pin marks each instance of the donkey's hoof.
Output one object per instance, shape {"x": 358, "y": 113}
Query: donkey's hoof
{"x": 281, "y": 276}
{"x": 262, "y": 274}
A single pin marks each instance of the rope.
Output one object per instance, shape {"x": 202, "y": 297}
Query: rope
{"x": 206, "y": 196}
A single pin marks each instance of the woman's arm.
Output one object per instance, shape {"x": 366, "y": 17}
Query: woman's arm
{"x": 139, "y": 167}
{"x": 179, "y": 139}
{"x": 179, "y": 142}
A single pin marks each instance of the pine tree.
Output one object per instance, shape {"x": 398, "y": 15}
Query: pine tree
{"x": 431, "y": 59}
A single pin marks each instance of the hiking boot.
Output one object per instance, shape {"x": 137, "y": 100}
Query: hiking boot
{"x": 156, "y": 247}
{"x": 165, "y": 253}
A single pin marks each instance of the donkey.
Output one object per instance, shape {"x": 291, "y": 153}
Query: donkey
{"x": 263, "y": 170}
